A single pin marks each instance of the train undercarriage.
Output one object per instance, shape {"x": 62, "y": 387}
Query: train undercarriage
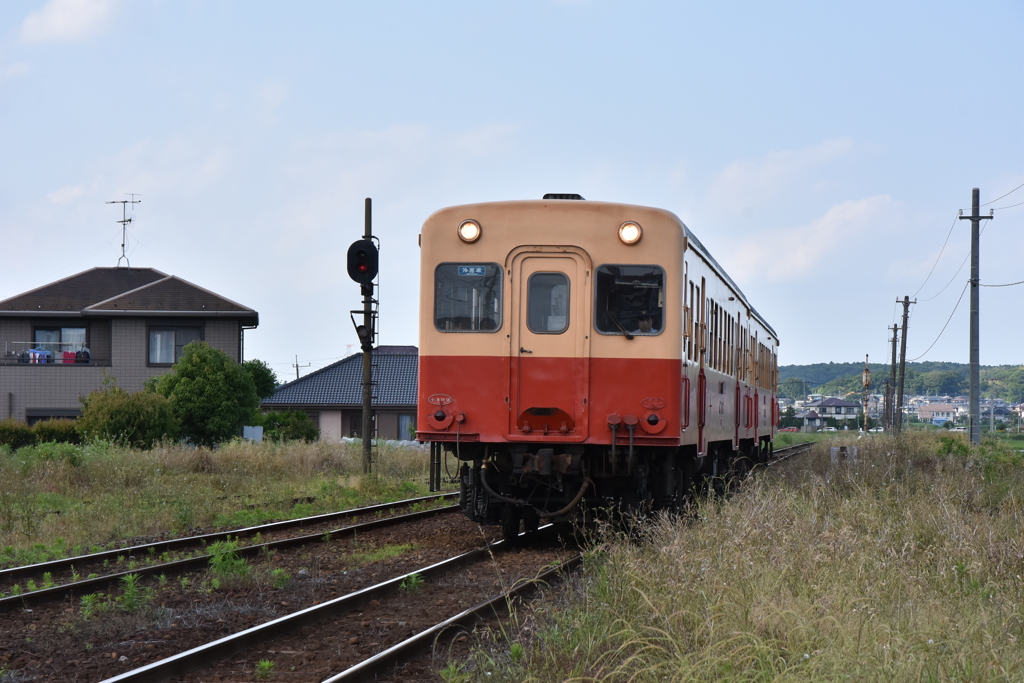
{"x": 518, "y": 485}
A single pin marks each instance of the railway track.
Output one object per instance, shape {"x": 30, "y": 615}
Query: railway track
{"x": 85, "y": 563}
{"x": 338, "y": 616}
{"x": 785, "y": 453}
{"x": 238, "y": 654}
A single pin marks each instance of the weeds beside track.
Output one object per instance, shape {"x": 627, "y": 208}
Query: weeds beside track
{"x": 903, "y": 564}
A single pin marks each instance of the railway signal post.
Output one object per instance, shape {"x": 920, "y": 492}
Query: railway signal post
{"x": 363, "y": 267}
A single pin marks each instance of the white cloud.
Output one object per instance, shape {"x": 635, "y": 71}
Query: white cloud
{"x": 66, "y": 194}
{"x": 273, "y": 94}
{"x": 14, "y": 70}
{"x": 485, "y": 140}
{"x": 798, "y": 252}
{"x": 63, "y": 21}
{"x": 744, "y": 184}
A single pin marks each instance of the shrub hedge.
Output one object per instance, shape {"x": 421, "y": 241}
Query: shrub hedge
{"x": 16, "y": 434}
{"x": 60, "y": 431}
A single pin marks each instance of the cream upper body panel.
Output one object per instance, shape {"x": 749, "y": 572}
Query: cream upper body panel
{"x": 585, "y": 232}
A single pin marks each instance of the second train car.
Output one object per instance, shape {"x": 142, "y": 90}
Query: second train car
{"x": 575, "y": 351}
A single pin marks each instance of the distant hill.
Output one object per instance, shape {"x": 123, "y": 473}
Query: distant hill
{"x": 928, "y": 378}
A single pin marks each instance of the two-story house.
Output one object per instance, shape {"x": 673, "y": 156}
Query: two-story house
{"x": 835, "y": 408}
{"x": 60, "y": 341}
{"x": 937, "y": 413}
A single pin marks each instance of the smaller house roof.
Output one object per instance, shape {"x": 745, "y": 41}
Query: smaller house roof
{"x": 395, "y": 375}
{"x": 833, "y": 403}
{"x": 937, "y": 408}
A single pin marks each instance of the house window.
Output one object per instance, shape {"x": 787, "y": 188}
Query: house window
{"x": 406, "y": 427}
{"x": 59, "y": 341}
{"x": 166, "y": 343}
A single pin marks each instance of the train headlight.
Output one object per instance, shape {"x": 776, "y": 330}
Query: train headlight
{"x": 469, "y": 231}
{"x": 630, "y": 232}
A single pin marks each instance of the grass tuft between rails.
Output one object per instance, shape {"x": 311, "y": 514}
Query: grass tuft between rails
{"x": 905, "y": 564}
{"x": 58, "y": 500}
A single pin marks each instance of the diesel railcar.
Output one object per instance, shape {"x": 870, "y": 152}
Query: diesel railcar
{"x": 575, "y": 351}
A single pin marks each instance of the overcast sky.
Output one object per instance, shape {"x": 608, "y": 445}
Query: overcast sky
{"x": 821, "y": 151}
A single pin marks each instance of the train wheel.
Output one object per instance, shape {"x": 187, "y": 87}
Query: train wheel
{"x": 510, "y": 518}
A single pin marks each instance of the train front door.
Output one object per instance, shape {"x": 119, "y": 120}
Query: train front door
{"x": 549, "y": 345}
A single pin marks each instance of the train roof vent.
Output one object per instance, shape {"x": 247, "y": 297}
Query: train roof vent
{"x": 562, "y": 195}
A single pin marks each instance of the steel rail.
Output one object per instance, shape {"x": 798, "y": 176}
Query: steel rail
{"x": 368, "y": 669}
{"x": 38, "y": 569}
{"x": 201, "y": 561}
{"x": 796, "y": 449}
{"x": 184, "y": 662}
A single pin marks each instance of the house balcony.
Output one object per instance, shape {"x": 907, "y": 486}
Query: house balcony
{"x": 50, "y": 354}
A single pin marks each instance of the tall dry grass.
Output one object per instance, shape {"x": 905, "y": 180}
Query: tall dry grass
{"x": 55, "y": 495}
{"x": 904, "y": 565}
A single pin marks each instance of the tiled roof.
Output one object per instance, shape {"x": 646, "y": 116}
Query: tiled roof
{"x": 832, "y": 403}
{"x": 76, "y": 292}
{"x": 118, "y": 291}
{"x": 169, "y": 294}
{"x": 341, "y": 384}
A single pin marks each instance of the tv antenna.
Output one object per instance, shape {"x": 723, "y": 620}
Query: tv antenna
{"x": 125, "y": 220}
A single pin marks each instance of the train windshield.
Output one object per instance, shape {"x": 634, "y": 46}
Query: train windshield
{"x": 629, "y": 299}
{"x": 467, "y": 297}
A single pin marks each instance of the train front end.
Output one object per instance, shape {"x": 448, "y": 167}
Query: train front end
{"x": 550, "y": 361}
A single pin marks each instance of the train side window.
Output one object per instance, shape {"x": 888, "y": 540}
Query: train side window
{"x": 467, "y": 297}
{"x": 547, "y": 303}
{"x": 629, "y": 299}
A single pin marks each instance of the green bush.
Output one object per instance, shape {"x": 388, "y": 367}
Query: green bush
{"x": 211, "y": 394}
{"x": 16, "y": 434}
{"x": 137, "y": 420}
{"x": 60, "y": 431}
{"x": 288, "y": 425}
{"x": 52, "y": 451}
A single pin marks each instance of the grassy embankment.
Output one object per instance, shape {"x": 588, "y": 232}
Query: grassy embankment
{"x": 60, "y": 499}
{"x": 905, "y": 565}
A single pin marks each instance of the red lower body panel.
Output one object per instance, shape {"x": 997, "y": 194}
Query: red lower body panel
{"x": 495, "y": 399}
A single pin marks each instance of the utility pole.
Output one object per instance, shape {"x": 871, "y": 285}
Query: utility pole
{"x": 866, "y": 379}
{"x": 297, "y": 366}
{"x": 975, "y": 219}
{"x": 898, "y": 416}
{"x": 891, "y": 390}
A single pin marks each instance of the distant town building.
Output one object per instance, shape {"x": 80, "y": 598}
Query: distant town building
{"x": 835, "y": 408}
{"x": 937, "y": 413}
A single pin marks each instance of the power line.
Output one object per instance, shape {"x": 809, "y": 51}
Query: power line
{"x": 937, "y": 257}
{"x": 1010, "y": 284}
{"x": 956, "y": 273}
{"x": 1000, "y": 208}
{"x": 944, "y": 326}
{"x": 1005, "y": 195}
{"x": 950, "y": 279}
